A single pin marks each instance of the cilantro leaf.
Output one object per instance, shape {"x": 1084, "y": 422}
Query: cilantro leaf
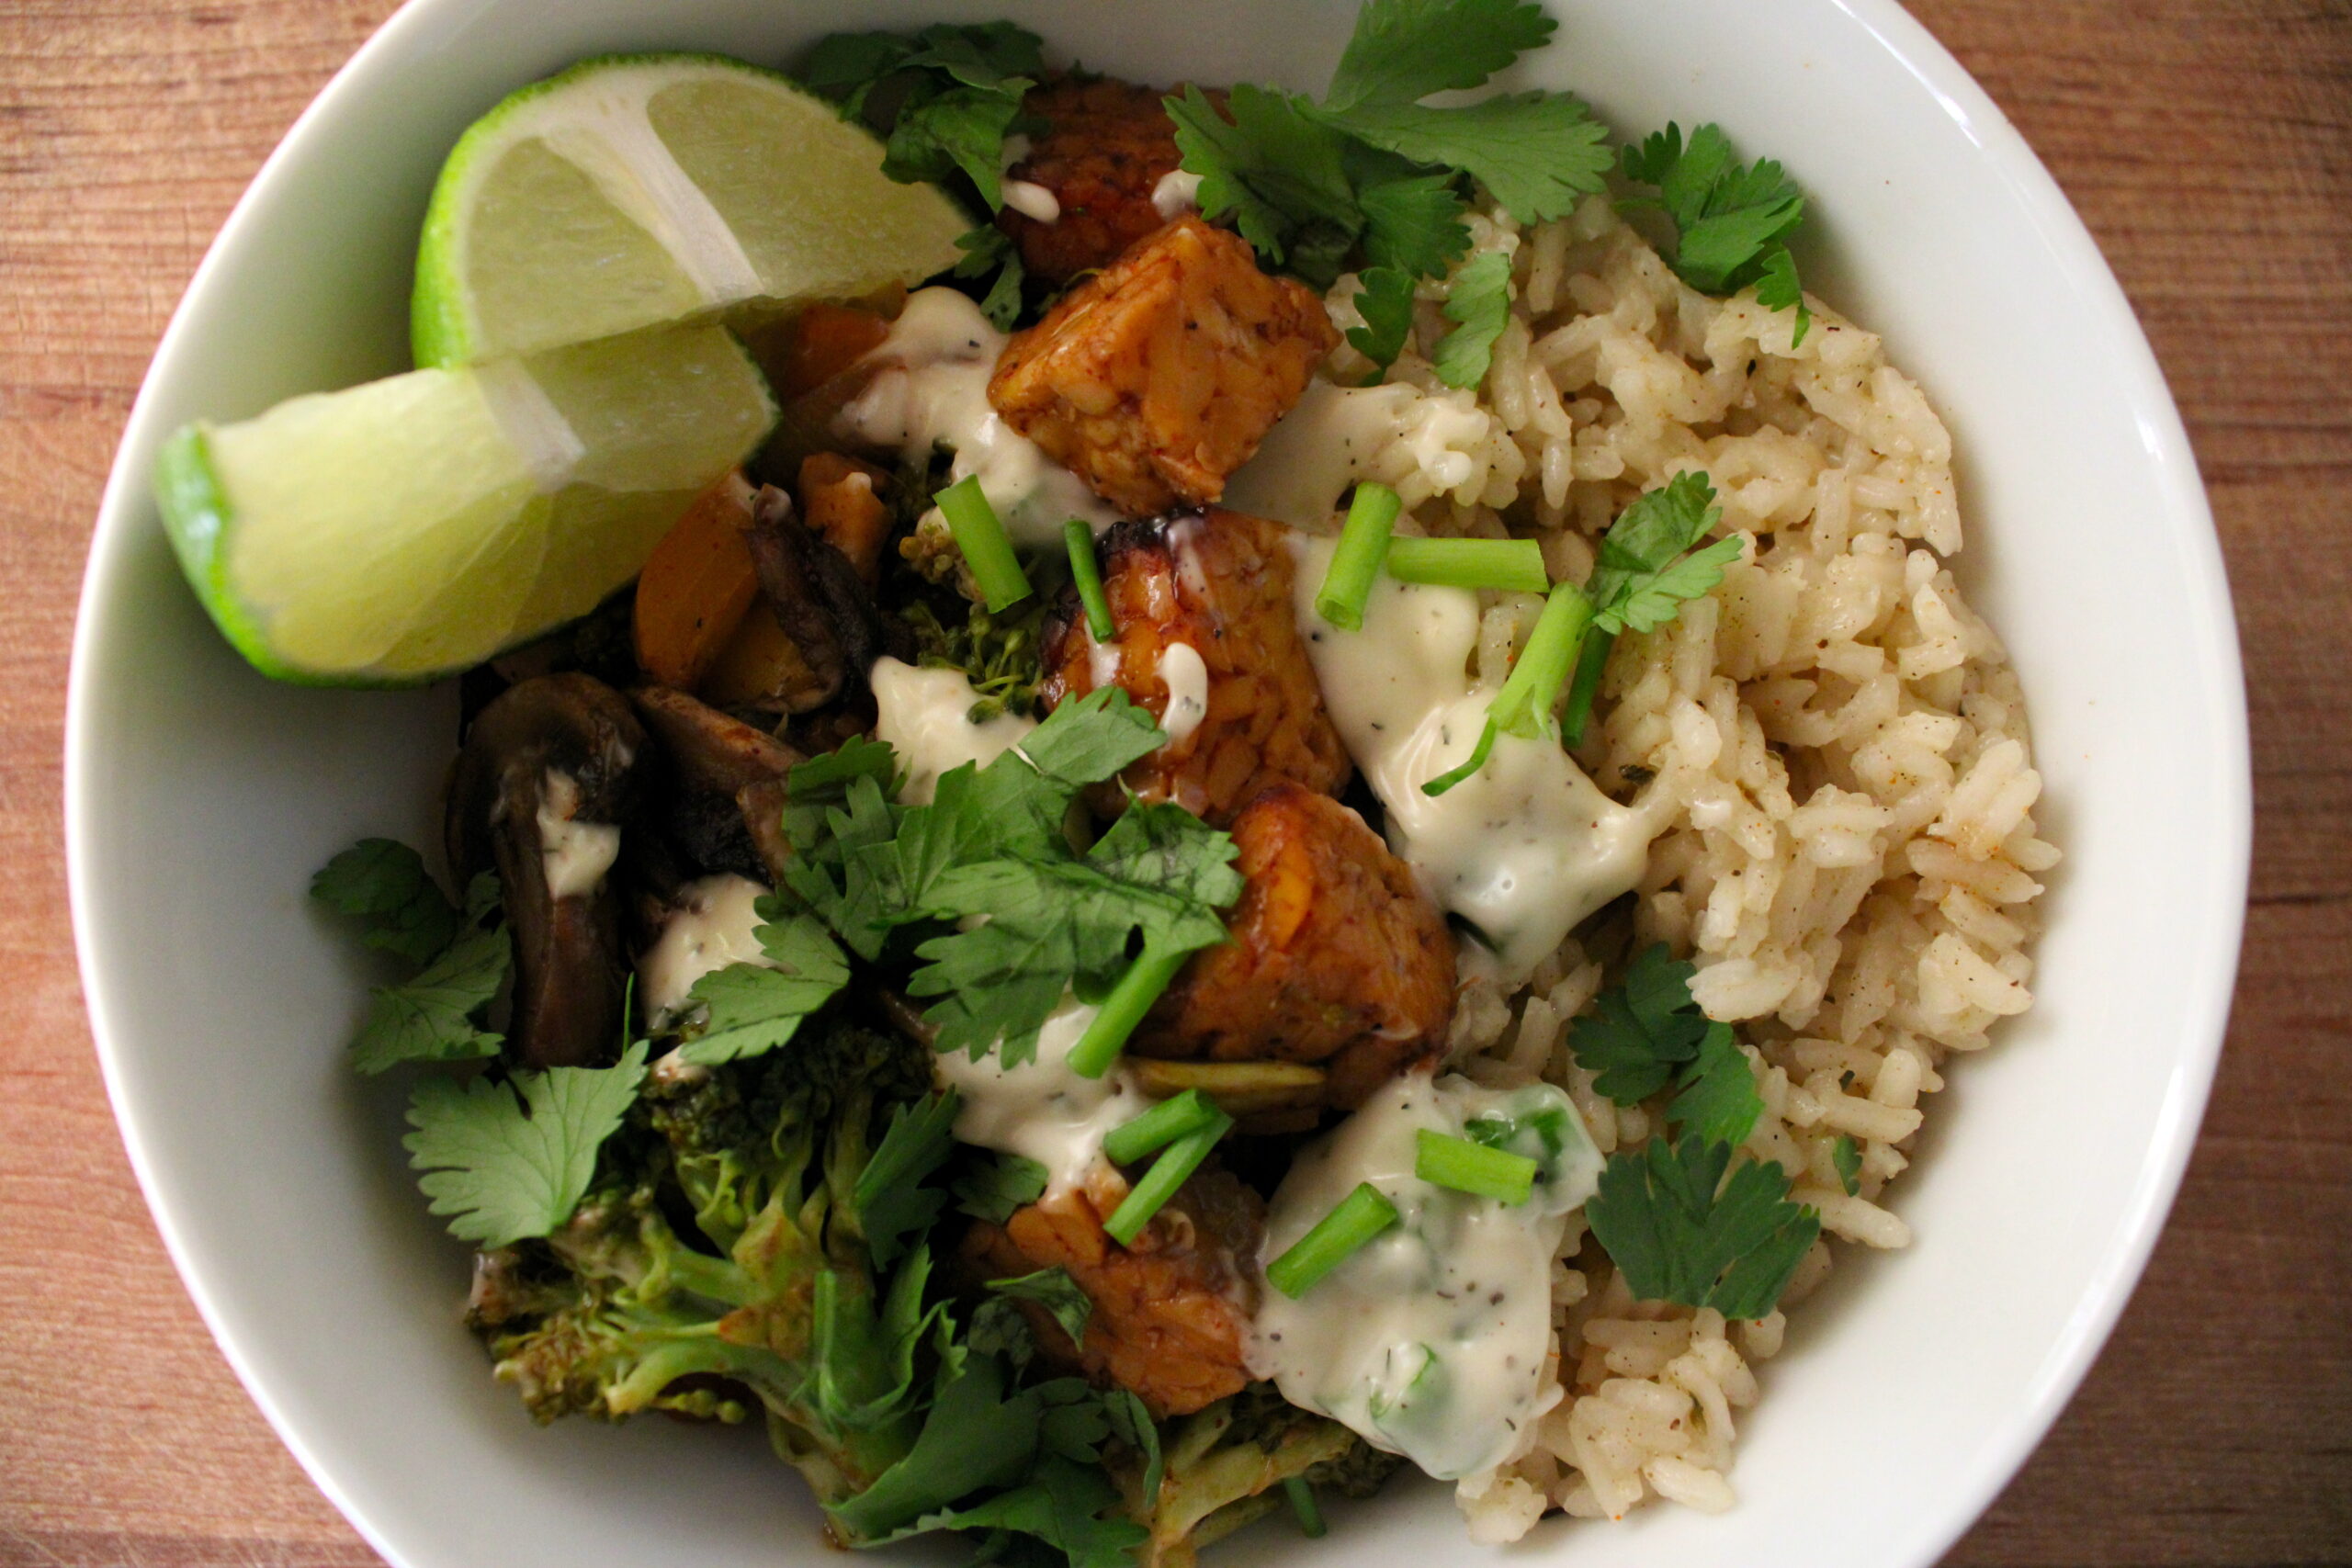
{"x": 431, "y": 1017}
{"x": 1777, "y": 288}
{"x": 863, "y": 1360}
{"x": 1478, "y": 303}
{"x": 1538, "y": 153}
{"x": 1159, "y": 844}
{"x": 1275, "y": 171}
{"x": 511, "y": 1159}
{"x": 1732, "y": 220}
{"x": 752, "y": 1009}
{"x": 1001, "y": 1328}
{"x": 891, "y": 1200}
{"x": 1131, "y": 1425}
{"x": 1412, "y": 221}
{"x": 944, "y": 99}
{"x": 990, "y": 1189}
{"x": 1718, "y": 1100}
{"x": 1385, "y": 303}
{"x": 384, "y": 882}
{"x": 989, "y": 248}
{"x": 974, "y": 1439}
{"x": 1640, "y": 1031}
{"x": 840, "y": 866}
{"x": 1642, "y": 577}
{"x": 1405, "y": 49}
{"x": 1053, "y": 1290}
{"x": 1072, "y": 1508}
{"x": 1678, "y": 1232}
{"x": 1849, "y": 1161}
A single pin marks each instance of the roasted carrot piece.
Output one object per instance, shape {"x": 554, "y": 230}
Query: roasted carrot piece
{"x": 696, "y": 587}
{"x": 841, "y": 498}
{"x": 824, "y": 341}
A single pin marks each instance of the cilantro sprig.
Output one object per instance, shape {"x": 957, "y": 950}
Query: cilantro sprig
{"x": 1371, "y": 170}
{"x": 1732, "y": 220}
{"x": 1010, "y": 916}
{"x": 462, "y": 961}
{"x": 944, "y": 99}
{"x": 747, "y": 1010}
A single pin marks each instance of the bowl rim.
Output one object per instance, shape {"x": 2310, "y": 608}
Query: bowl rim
{"x": 2213, "y": 631}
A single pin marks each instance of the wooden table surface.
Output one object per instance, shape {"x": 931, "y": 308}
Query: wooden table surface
{"x": 2209, "y": 145}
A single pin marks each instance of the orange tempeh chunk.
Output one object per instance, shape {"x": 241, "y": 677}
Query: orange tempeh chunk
{"x": 1338, "y": 958}
{"x": 1219, "y": 583}
{"x": 1155, "y": 379}
{"x": 1106, "y": 146}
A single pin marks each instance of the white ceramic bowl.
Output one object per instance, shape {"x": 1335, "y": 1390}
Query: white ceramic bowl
{"x": 199, "y": 797}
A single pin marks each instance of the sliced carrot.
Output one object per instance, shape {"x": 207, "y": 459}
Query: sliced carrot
{"x": 696, "y": 587}
{"x": 824, "y": 341}
{"x": 840, "y": 500}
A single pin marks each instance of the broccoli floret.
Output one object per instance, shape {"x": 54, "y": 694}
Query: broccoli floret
{"x": 1227, "y": 1464}
{"x": 717, "y": 1267}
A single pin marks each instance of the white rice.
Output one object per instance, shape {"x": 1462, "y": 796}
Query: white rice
{"x": 1853, "y": 858}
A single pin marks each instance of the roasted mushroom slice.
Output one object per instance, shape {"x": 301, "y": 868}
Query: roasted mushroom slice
{"x": 727, "y": 811}
{"x": 548, "y": 773}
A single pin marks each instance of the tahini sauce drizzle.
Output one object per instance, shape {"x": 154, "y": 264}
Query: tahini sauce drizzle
{"x": 1434, "y": 1339}
{"x": 1522, "y": 850}
{"x": 925, "y": 715}
{"x": 930, "y": 389}
{"x": 715, "y": 925}
{"x": 574, "y": 856}
{"x": 1041, "y": 1110}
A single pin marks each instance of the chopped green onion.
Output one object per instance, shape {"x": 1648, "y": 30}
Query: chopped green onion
{"x": 1159, "y": 1126}
{"x": 1471, "y": 1168}
{"x": 982, "y": 539}
{"x": 1364, "y": 545}
{"x": 1589, "y": 668}
{"x": 1513, "y": 564}
{"x": 1124, "y": 1008}
{"x": 1524, "y": 705}
{"x": 1303, "y": 1504}
{"x": 1360, "y": 1216}
{"x": 1083, "y": 571}
{"x": 1477, "y": 759}
{"x": 1171, "y": 1171}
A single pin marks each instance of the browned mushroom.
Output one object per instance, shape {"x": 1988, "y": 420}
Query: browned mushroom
{"x": 729, "y": 782}
{"x": 548, "y": 773}
{"x": 820, "y": 632}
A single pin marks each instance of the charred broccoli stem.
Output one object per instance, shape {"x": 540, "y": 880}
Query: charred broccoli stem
{"x": 717, "y": 1266}
{"x": 1225, "y": 1466}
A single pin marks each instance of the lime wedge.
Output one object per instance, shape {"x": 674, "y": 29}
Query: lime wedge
{"x": 414, "y": 527}
{"x": 641, "y": 189}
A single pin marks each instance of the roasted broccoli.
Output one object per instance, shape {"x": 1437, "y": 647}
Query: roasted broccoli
{"x": 719, "y": 1266}
{"x": 1227, "y": 1464}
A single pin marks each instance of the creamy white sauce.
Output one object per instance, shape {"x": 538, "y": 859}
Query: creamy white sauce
{"x": 1187, "y": 680}
{"x": 926, "y": 717}
{"x": 1041, "y": 1110}
{"x": 1434, "y": 1339}
{"x": 713, "y": 926}
{"x": 1522, "y": 850}
{"x": 1032, "y": 200}
{"x": 1175, "y": 194}
{"x": 574, "y": 856}
{"x": 1336, "y": 435}
{"x": 931, "y": 390}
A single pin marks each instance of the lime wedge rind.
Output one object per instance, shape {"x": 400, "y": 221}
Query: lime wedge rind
{"x": 589, "y": 204}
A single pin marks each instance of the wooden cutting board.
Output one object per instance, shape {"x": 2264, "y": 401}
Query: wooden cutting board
{"x": 2209, "y": 145}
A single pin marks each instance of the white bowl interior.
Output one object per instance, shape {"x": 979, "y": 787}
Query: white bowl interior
{"x": 201, "y": 797}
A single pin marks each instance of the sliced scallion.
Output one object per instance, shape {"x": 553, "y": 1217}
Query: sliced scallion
{"x": 1471, "y": 1168}
{"x": 1130, "y": 999}
{"x": 1513, "y": 564}
{"x": 1161, "y": 1125}
{"x": 986, "y": 549}
{"x": 1470, "y": 765}
{"x": 1523, "y": 707}
{"x": 1363, "y": 548}
{"x": 1087, "y": 575}
{"x": 1355, "y": 1219}
{"x": 1171, "y": 1171}
{"x": 1590, "y": 666}
{"x": 1303, "y": 1505}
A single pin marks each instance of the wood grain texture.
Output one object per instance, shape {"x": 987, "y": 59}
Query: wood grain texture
{"x": 2209, "y": 145}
